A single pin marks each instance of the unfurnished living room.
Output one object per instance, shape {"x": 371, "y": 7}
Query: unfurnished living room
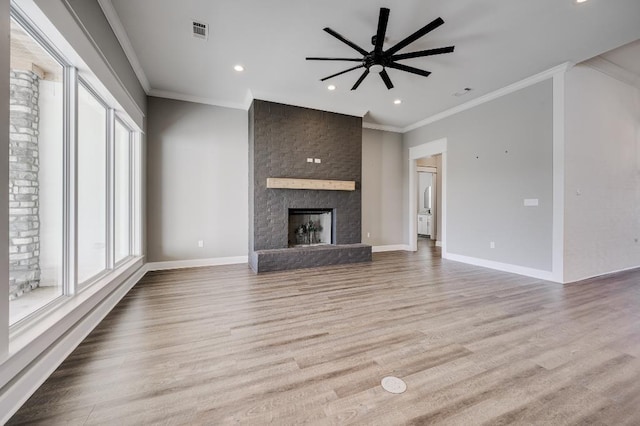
{"x": 327, "y": 212}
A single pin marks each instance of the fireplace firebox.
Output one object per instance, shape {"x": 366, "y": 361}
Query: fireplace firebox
{"x": 311, "y": 227}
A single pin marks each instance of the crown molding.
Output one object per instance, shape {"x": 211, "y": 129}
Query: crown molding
{"x": 197, "y": 99}
{"x": 614, "y": 71}
{"x": 246, "y": 104}
{"x": 382, "y": 127}
{"x": 273, "y": 97}
{"x": 529, "y": 81}
{"x": 121, "y": 34}
{"x": 248, "y": 99}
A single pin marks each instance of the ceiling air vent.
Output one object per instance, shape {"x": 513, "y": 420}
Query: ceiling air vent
{"x": 200, "y": 30}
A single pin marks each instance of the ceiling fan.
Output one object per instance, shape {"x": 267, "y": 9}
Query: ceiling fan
{"x": 378, "y": 60}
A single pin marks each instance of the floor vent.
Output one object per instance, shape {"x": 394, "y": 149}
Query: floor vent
{"x": 393, "y": 384}
{"x": 200, "y": 30}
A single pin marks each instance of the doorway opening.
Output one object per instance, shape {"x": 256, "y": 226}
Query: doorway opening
{"x": 428, "y": 205}
{"x": 427, "y": 199}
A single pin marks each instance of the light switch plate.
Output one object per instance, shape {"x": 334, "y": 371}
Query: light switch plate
{"x": 530, "y": 202}
{"x": 318, "y": 161}
{"x": 309, "y": 160}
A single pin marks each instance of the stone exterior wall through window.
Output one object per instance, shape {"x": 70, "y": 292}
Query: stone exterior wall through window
{"x": 24, "y": 220}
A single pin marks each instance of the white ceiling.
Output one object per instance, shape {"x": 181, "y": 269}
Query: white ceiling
{"x": 498, "y": 42}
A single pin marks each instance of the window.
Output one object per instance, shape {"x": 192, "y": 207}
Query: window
{"x": 74, "y": 167}
{"x": 92, "y": 185}
{"x": 35, "y": 175}
{"x": 122, "y": 192}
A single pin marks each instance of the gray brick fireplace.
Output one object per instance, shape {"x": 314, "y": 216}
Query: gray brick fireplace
{"x": 281, "y": 140}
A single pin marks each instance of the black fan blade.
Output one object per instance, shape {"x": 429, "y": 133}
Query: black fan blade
{"x": 407, "y": 68}
{"x": 386, "y": 79}
{"x": 362, "y": 77}
{"x": 334, "y": 59}
{"x": 347, "y": 42}
{"x": 421, "y": 53}
{"x": 382, "y": 29}
{"x": 413, "y": 37}
{"x": 341, "y": 72}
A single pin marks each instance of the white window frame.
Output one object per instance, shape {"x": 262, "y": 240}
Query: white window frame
{"x": 130, "y": 170}
{"x": 109, "y": 189}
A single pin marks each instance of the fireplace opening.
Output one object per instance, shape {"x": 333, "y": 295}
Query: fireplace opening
{"x": 310, "y": 227}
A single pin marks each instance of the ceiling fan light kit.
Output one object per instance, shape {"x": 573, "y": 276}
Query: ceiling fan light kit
{"x": 378, "y": 59}
{"x": 376, "y": 68}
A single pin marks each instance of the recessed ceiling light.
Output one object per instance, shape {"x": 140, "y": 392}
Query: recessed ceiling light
{"x": 331, "y": 87}
{"x": 397, "y": 101}
{"x": 239, "y": 68}
{"x": 580, "y": 1}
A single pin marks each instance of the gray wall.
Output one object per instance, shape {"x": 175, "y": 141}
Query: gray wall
{"x": 499, "y": 153}
{"x": 196, "y": 181}
{"x": 382, "y": 181}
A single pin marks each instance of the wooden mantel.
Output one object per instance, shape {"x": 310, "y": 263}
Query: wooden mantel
{"x": 318, "y": 184}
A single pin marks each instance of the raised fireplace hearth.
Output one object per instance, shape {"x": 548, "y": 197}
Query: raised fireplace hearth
{"x": 304, "y": 213}
{"x": 309, "y": 257}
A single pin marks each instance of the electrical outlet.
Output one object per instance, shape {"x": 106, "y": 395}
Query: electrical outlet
{"x": 368, "y": 234}
{"x": 492, "y": 244}
{"x": 200, "y": 243}
{"x": 309, "y": 160}
{"x": 317, "y": 160}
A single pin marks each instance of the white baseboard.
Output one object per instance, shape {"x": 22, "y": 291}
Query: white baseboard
{"x": 195, "y": 263}
{"x": 506, "y": 267}
{"x": 394, "y": 247}
{"x": 630, "y": 268}
{"x": 16, "y": 392}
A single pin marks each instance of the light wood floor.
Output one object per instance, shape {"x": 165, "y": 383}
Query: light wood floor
{"x": 221, "y": 345}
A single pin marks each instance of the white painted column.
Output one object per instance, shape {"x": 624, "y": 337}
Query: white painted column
{"x": 557, "y": 245}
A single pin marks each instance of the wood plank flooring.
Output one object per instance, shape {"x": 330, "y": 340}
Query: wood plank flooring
{"x": 221, "y": 345}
